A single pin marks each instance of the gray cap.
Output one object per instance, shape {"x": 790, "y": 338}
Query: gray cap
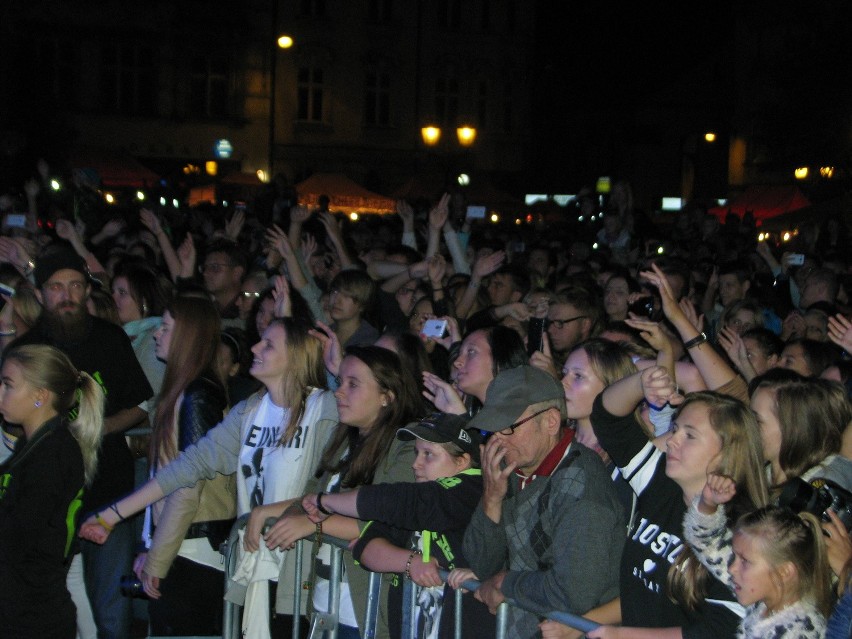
{"x": 512, "y": 392}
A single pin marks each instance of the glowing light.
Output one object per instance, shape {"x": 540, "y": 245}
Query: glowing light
{"x": 710, "y": 137}
{"x": 801, "y": 173}
{"x": 431, "y": 135}
{"x": 162, "y": 201}
{"x": 466, "y": 135}
{"x": 761, "y": 237}
{"x": 495, "y": 218}
{"x": 463, "y": 179}
{"x": 660, "y": 250}
{"x": 285, "y": 42}
{"x": 594, "y": 218}
{"x": 110, "y": 198}
{"x": 529, "y": 218}
{"x": 261, "y": 175}
{"x": 827, "y": 172}
{"x": 353, "y": 216}
{"x": 211, "y": 167}
{"x": 55, "y": 185}
{"x": 175, "y": 203}
{"x": 140, "y": 195}
{"x": 786, "y": 236}
{"x": 517, "y": 221}
{"x": 595, "y": 245}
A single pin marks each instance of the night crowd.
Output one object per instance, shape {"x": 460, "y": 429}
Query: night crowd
{"x": 642, "y": 422}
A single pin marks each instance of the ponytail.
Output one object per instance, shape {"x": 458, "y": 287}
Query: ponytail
{"x": 88, "y": 427}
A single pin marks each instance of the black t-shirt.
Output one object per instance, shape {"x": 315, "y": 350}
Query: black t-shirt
{"x": 105, "y": 353}
{"x": 656, "y": 539}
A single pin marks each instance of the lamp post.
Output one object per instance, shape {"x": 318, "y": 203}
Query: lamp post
{"x": 431, "y": 135}
{"x": 279, "y": 41}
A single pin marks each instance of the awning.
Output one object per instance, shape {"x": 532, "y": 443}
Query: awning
{"x": 344, "y": 194}
{"x": 115, "y": 169}
{"x": 764, "y": 202}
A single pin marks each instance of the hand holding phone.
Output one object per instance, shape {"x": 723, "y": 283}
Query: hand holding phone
{"x": 435, "y": 328}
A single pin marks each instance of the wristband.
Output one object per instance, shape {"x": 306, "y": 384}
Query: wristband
{"x": 320, "y": 506}
{"x": 413, "y": 554}
{"x": 103, "y": 523}
{"x": 114, "y": 509}
{"x": 695, "y": 341}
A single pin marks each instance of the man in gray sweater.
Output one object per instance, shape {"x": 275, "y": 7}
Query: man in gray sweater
{"x": 549, "y": 529}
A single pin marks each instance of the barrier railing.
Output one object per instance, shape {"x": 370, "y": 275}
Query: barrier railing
{"x": 327, "y": 622}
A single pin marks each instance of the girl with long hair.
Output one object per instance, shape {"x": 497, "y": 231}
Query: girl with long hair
{"x": 192, "y": 522}
{"x": 663, "y": 593}
{"x": 41, "y": 486}
{"x": 376, "y": 397}
{"x": 273, "y": 440}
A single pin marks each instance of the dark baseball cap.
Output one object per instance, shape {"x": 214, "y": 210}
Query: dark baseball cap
{"x": 512, "y": 392}
{"x": 55, "y": 260}
{"x": 444, "y": 428}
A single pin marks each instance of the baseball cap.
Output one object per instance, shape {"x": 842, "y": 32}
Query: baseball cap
{"x": 55, "y": 260}
{"x": 511, "y": 392}
{"x": 444, "y": 428}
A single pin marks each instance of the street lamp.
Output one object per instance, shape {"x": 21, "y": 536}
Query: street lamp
{"x": 431, "y": 135}
{"x": 466, "y": 135}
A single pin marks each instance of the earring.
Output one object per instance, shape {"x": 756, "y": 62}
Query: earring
{"x": 38, "y": 404}
{"x": 384, "y": 404}
{"x": 144, "y": 309}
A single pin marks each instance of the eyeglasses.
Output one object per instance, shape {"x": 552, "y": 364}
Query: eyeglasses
{"x": 560, "y": 323}
{"x": 250, "y": 294}
{"x": 510, "y": 429}
{"x": 214, "y": 267}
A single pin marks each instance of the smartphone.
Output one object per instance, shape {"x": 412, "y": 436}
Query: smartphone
{"x": 796, "y": 259}
{"x": 435, "y": 328}
{"x": 16, "y": 220}
{"x": 475, "y": 212}
{"x": 535, "y": 334}
{"x": 7, "y": 290}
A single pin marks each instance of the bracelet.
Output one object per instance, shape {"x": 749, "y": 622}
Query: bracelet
{"x": 103, "y": 523}
{"x": 320, "y": 506}
{"x": 318, "y": 540}
{"x": 695, "y": 341}
{"x": 413, "y": 554}
{"x": 114, "y": 509}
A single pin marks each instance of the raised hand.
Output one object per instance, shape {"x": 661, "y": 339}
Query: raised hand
{"x": 406, "y": 213}
{"x": 299, "y": 214}
{"x": 840, "y": 332}
{"x": 439, "y": 213}
{"x": 486, "y": 265}
{"x": 112, "y": 228}
{"x": 658, "y": 387}
{"x": 332, "y": 353}
{"x": 442, "y": 395}
{"x": 150, "y": 220}
{"x": 235, "y": 224}
{"x": 733, "y": 344}
{"x": 281, "y": 296}
{"x": 66, "y": 230}
{"x": 717, "y": 490}
{"x": 651, "y": 332}
{"x": 187, "y": 255}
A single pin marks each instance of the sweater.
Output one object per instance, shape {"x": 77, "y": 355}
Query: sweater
{"x": 559, "y": 539}
{"x": 711, "y": 539}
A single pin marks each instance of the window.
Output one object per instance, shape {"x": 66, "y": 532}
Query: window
{"x": 449, "y": 14}
{"x": 508, "y": 123}
{"x": 57, "y": 65}
{"x": 312, "y": 8}
{"x": 128, "y": 79}
{"x": 380, "y": 11}
{"x": 377, "y": 99}
{"x": 208, "y": 90}
{"x": 310, "y": 94}
{"x": 447, "y": 100}
{"x": 482, "y": 104}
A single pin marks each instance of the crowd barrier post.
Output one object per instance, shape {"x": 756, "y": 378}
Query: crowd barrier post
{"x": 327, "y": 622}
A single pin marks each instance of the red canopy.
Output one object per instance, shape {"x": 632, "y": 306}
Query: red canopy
{"x": 764, "y": 202}
{"x": 116, "y": 169}
{"x": 344, "y": 194}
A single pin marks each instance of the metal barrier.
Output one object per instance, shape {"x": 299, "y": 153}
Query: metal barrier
{"x": 327, "y": 622}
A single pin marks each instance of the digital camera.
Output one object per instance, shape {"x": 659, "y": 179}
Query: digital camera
{"x": 817, "y": 497}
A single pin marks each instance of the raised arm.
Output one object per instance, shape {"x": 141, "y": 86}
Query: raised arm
{"x": 152, "y": 222}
